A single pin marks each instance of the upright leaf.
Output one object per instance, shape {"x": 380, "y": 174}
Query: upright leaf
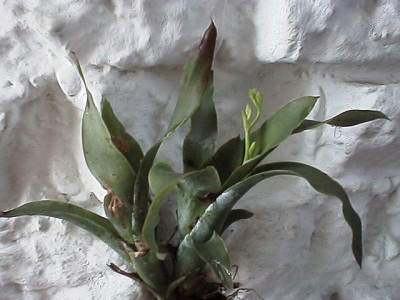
{"x": 195, "y": 80}
{"x": 108, "y": 165}
{"x": 125, "y": 143}
{"x": 91, "y": 222}
{"x": 199, "y": 144}
{"x": 345, "y": 119}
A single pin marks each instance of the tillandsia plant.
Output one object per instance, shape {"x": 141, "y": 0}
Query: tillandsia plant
{"x": 212, "y": 182}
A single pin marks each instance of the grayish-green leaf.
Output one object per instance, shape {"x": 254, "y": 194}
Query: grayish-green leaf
{"x": 125, "y": 143}
{"x": 215, "y": 254}
{"x": 195, "y": 79}
{"x": 91, "y": 222}
{"x": 345, "y": 119}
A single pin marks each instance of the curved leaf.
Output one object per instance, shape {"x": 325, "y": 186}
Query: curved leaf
{"x": 216, "y": 214}
{"x": 324, "y": 184}
{"x": 196, "y": 77}
{"x": 345, "y": 119}
{"x": 153, "y": 215}
{"x": 199, "y": 144}
{"x": 91, "y": 222}
{"x": 125, "y": 143}
{"x": 215, "y": 254}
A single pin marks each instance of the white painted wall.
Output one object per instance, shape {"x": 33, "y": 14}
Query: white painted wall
{"x": 297, "y": 246}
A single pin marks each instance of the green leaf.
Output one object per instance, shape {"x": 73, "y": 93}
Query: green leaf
{"x": 91, "y": 222}
{"x": 196, "y": 191}
{"x": 215, "y": 254}
{"x": 324, "y": 184}
{"x": 199, "y": 144}
{"x": 105, "y": 161}
{"x": 125, "y": 143}
{"x": 276, "y": 129}
{"x": 234, "y": 216}
{"x": 227, "y": 158}
{"x": 345, "y": 119}
{"x": 195, "y": 80}
{"x": 108, "y": 165}
{"x": 280, "y": 125}
{"x": 153, "y": 216}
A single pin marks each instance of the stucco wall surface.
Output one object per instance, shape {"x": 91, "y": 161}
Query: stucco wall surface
{"x": 297, "y": 246}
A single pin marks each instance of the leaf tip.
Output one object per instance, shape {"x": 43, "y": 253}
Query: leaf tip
{"x": 207, "y": 44}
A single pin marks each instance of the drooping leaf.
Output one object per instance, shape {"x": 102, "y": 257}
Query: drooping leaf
{"x": 276, "y": 129}
{"x": 125, "y": 143}
{"x": 91, "y": 222}
{"x": 196, "y": 77}
{"x": 215, "y": 254}
{"x": 153, "y": 215}
{"x": 227, "y": 158}
{"x": 199, "y": 144}
{"x": 324, "y": 184}
{"x": 344, "y": 119}
{"x": 236, "y": 215}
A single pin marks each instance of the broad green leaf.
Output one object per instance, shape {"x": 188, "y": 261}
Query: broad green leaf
{"x": 276, "y": 129}
{"x": 199, "y": 144}
{"x": 195, "y": 193}
{"x": 196, "y": 77}
{"x": 280, "y": 125}
{"x": 345, "y": 119}
{"x": 108, "y": 165}
{"x": 215, "y": 254}
{"x": 236, "y": 215}
{"x": 125, "y": 143}
{"x": 189, "y": 262}
{"x": 153, "y": 215}
{"x": 324, "y": 184}
{"x": 91, "y": 222}
{"x": 141, "y": 200}
{"x": 105, "y": 161}
{"x": 227, "y": 158}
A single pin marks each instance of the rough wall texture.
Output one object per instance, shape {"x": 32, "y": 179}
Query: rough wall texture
{"x": 297, "y": 246}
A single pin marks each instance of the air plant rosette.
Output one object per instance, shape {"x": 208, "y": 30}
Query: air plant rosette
{"x": 206, "y": 191}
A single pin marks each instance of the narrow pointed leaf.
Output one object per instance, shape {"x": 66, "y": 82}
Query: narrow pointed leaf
{"x": 196, "y": 77}
{"x": 280, "y": 125}
{"x": 215, "y": 254}
{"x": 199, "y": 144}
{"x": 324, "y": 184}
{"x": 141, "y": 200}
{"x": 105, "y": 161}
{"x": 125, "y": 143}
{"x": 236, "y": 215}
{"x": 91, "y": 222}
{"x": 345, "y": 119}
